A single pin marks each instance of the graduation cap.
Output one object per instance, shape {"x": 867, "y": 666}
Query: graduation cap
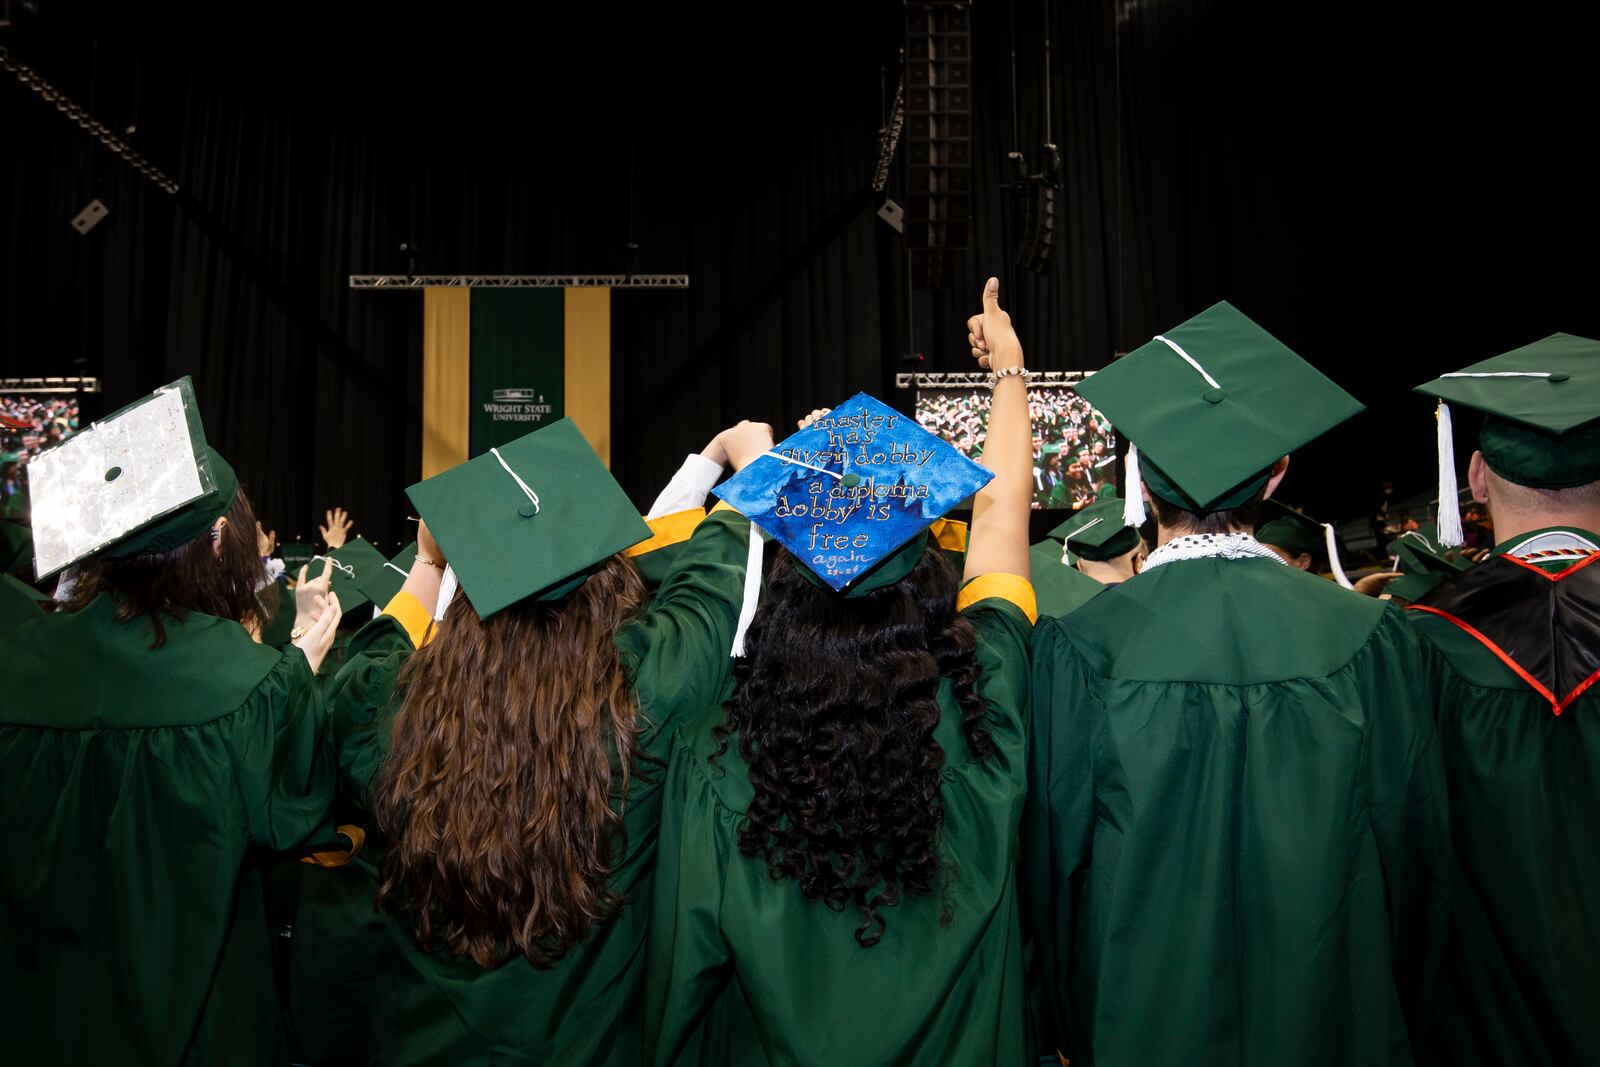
{"x": 380, "y": 584}
{"x": 1299, "y": 534}
{"x": 852, "y": 495}
{"x": 531, "y": 518}
{"x": 142, "y": 480}
{"x": 1209, "y": 406}
{"x": 1541, "y": 428}
{"x": 1097, "y": 531}
{"x": 1423, "y": 564}
{"x": 353, "y": 562}
{"x": 296, "y": 556}
{"x": 1058, "y": 588}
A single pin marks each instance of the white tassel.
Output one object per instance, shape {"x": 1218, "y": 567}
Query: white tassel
{"x": 1449, "y": 522}
{"x": 752, "y": 590}
{"x": 1133, "y": 505}
{"x": 1331, "y": 538}
{"x": 447, "y": 592}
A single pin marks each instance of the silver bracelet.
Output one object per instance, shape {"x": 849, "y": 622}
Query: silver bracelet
{"x": 1010, "y": 372}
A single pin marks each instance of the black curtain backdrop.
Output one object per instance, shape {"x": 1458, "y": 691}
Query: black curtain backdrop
{"x": 1393, "y": 193}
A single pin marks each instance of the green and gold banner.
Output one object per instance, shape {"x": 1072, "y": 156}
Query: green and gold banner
{"x": 501, "y": 363}
{"x": 518, "y": 366}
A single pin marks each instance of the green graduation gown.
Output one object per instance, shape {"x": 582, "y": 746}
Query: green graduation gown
{"x": 19, "y": 602}
{"x": 432, "y": 1009}
{"x": 1236, "y": 846}
{"x": 932, "y": 991}
{"x": 1522, "y": 967}
{"x": 131, "y": 923}
{"x": 1061, "y": 589}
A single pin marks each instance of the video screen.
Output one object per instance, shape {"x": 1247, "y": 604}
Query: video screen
{"x": 1074, "y": 448}
{"x": 32, "y": 422}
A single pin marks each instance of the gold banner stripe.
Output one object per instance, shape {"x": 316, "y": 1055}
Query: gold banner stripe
{"x": 446, "y": 378}
{"x": 588, "y": 365}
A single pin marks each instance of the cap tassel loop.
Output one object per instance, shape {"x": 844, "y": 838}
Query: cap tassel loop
{"x": 1331, "y": 539}
{"x": 1133, "y": 507}
{"x": 1067, "y": 540}
{"x": 533, "y": 498}
{"x": 1449, "y": 522}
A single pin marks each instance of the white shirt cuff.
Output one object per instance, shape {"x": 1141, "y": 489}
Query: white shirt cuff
{"x": 688, "y": 487}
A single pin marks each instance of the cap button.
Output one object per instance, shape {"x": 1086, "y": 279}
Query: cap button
{"x": 1213, "y": 396}
{"x": 850, "y": 481}
{"x": 1559, "y": 376}
{"x": 113, "y": 474}
{"x": 528, "y": 510}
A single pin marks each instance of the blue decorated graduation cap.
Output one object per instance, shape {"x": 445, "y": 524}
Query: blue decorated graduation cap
{"x": 848, "y": 491}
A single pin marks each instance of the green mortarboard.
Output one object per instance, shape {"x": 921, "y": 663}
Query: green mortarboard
{"x": 1209, "y": 407}
{"x": 294, "y": 557}
{"x": 1294, "y": 532}
{"x": 1058, "y": 588}
{"x": 380, "y": 584}
{"x": 10, "y": 457}
{"x": 529, "y": 519}
{"x": 16, "y": 545}
{"x": 1298, "y": 533}
{"x": 143, "y": 480}
{"x": 1097, "y": 531}
{"x": 353, "y": 562}
{"x": 1423, "y": 564}
{"x": 1541, "y": 428}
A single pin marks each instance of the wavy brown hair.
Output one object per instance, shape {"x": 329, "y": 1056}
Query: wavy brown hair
{"x": 511, "y": 755}
{"x": 215, "y": 576}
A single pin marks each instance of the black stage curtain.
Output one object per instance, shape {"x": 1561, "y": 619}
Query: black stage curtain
{"x": 1390, "y": 194}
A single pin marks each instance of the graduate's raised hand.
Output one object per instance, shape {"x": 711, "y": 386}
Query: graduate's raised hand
{"x": 1373, "y": 584}
{"x": 266, "y": 541}
{"x": 337, "y": 528}
{"x": 427, "y": 570}
{"x": 994, "y": 342}
{"x": 428, "y": 548}
{"x": 317, "y": 640}
{"x": 745, "y": 442}
{"x": 309, "y": 593}
{"x": 816, "y": 414}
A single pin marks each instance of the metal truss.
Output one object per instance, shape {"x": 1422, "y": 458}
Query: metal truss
{"x": 980, "y": 379}
{"x": 519, "y": 281}
{"x": 49, "y": 385}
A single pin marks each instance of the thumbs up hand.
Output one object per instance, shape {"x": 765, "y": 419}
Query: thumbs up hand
{"x": 994, "y": 343}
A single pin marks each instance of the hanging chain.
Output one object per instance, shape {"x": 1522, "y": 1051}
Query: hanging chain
{"x": 889, "y": 137}
{"x": 85, "y": 121}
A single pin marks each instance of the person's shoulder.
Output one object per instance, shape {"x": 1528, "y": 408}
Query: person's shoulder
{"x": 1227, "y": 621}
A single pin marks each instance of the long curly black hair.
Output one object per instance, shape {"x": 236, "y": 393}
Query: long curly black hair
{"x": 834, "y": 709}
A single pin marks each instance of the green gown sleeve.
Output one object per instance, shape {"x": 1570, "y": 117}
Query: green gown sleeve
{"x": 688, "y": 963}
{"x": 678, "y": 651}
{"x": 360, "y": 702}
{"x": 285, "y": 766}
